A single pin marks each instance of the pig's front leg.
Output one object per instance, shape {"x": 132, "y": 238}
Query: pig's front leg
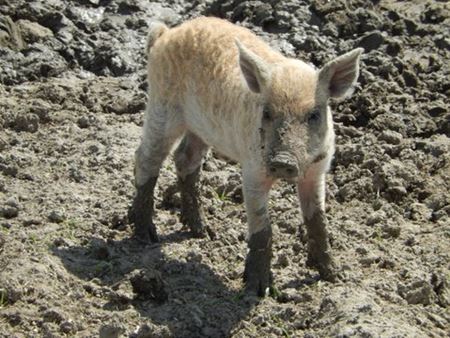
{"x": 257, "y": 274}
{"x": 311, "y": 191}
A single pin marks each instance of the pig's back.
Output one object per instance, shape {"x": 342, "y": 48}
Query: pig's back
{"x": 195, "y": 67}
{"x": 202, "y": 52}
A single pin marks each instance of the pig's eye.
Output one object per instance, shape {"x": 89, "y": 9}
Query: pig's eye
{"x": 267, "y": 116}
{"x": 314, "y": 117}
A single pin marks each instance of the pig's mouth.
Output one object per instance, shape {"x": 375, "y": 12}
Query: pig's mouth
{"x": 292, "y": 180}
{"x": 283, "y": 165}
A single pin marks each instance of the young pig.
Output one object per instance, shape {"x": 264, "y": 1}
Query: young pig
{"x": 218, "y": 85}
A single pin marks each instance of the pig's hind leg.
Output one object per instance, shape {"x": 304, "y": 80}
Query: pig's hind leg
{"x": 162, "y": 126}
{"x": 311, "y": 191}
{"x": 188, "y": 160}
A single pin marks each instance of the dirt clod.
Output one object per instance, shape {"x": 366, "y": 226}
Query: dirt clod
{"x": 153, "y": 331}
{"x": 57, "y": 216}
{"x": 111, "y": 331}
{"x": 28, "y": 122}
{"x": 9, "y": 211}
{"x": 418, "y": 292}
{"x": 148, "y": 284}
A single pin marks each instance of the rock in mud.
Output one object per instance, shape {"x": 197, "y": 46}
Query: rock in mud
{"x": 53, "y": 315}
{"x": 84, "y": 122}
{"x": 435, "y": 13}
{"x": 391, "y": 137}
{"x": 9, "y": 211}
{"x": 150, "y": 330}
{"x": 371, "y": 41}
{"x": 57, "y": 216}
{"x": 437, "y": 110}
{"x": 32, "y": 31}
{"x": 113, "y": 330}
{"x": 68, "y": 327}
{"x": 418, "y": 292}
{"x": 10, "y": 36}
{"x": 148, "y": 284}
{"x": 376, "y": 217}
{"x": 27, "y": 122}
{"x": 410, "y": 78}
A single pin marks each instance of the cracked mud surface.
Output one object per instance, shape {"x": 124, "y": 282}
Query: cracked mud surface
{"x": 72, "y": 97}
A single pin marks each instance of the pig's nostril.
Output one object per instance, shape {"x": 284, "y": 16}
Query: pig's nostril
{"x": 283, "y": 170}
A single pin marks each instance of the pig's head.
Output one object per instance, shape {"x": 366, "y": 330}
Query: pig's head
{"x": 296, "y": 121}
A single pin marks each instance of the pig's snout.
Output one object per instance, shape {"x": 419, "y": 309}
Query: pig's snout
{"x": 283, "y": 166}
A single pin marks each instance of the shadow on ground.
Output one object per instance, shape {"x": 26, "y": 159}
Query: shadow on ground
{"x": 184, "y": 294}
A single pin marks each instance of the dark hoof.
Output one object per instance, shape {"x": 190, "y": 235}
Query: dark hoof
{"x": 141, "y": 213}
{"x": 198, "y": 229}
{"x": 257, "y": 283}
{"x": 328, "y": 273}
{"x": 195, "y": 224}
{"x": 257, "y": 274}
{"x": 146, "y": 233}
{"x": 198, "y": 232}
{"x": 324, "y": 266}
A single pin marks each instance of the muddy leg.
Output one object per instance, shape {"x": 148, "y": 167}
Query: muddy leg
{"x": 257, "y": 274}
{"x": 188, "y": 160}
{"x": 311, "y": 191}
{"x": 144, "y": 229}
{"x": 160, "y": 131}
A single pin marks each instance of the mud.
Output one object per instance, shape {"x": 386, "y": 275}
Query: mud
{"x": 72, "y": 96}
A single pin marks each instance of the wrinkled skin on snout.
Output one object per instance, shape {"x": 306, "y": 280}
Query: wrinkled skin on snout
{"x": 291, "y": 143}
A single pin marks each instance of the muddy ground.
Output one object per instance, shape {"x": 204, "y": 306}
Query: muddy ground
{"x": 72, "y": 97}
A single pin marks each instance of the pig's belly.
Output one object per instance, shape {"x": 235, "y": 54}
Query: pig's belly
{"x": 220, "y": 134}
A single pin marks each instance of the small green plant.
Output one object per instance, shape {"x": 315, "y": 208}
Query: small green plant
{"x": 71, "y": 223}
{"x": 274, "y": 292}
{"x": 280, "y": 324}
{"x": 71, "y": 234}
{"x": 33, "y": 238}
{"x": 377, "y": 234}
{"x": 223, "y": 195}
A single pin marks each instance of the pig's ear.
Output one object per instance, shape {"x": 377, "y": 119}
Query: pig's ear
{"x": 255, "y": 70}
{"x": 340, "y": 75}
